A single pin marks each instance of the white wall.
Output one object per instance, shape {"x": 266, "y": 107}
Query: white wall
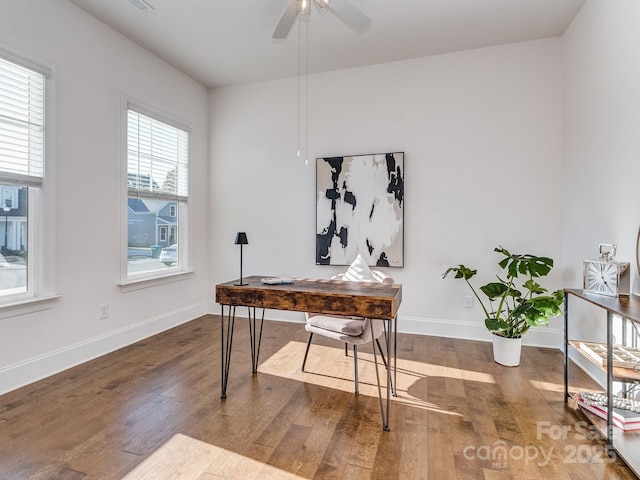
{"x": 482, "y": 135}
{"x": 93, "y": 66}
{"x": 602, "y": 146}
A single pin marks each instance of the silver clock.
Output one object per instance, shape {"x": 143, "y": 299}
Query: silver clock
{"x": 606, "y": 276}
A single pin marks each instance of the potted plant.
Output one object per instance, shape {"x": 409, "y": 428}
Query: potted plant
{"x": 515, "y": 302}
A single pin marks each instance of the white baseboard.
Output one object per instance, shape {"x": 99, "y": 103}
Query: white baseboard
{"x": 537, "y": 337}
{"x": 36, "y": 368}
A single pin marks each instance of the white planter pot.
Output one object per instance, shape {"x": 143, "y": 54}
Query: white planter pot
{"x": 506, "y": 351}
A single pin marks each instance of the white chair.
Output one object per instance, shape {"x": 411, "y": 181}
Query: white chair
{"x": 350, "y": 330}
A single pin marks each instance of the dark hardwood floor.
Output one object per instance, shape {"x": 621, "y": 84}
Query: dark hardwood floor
{"x": 458, "y": 415}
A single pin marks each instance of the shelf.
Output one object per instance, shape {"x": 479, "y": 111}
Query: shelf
{"x": 620, "y": 374}
{"x": 625, "y": 306}
{"x": 596, "y": 421}
{"x": 625, "y": 444}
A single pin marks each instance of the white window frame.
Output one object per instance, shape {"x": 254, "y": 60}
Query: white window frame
{"x": 40, "y": 239}
{"x": 183, "y": 269}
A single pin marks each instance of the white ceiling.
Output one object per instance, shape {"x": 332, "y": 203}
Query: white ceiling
{"x": 226, "y": 42}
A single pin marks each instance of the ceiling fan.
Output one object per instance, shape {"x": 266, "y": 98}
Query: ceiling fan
{"x": 343, "y": 9}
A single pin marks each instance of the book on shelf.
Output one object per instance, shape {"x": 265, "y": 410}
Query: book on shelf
{"x": 626, "y": 420}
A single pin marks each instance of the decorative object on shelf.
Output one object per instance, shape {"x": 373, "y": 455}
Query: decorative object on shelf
{"x": 360, "y": 209}
{"x": 625, "y": 415}
{"x": 606, "y": 276}
{"x": 600, "y": 400}
{"x": 514, "y": 305}
{"x": 623, "y": 356}
{"x": 241, "y": 239}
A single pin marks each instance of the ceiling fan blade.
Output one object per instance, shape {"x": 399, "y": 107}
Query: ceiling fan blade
{"x": 288, "y": 17}
{"x": 350, "y": 15}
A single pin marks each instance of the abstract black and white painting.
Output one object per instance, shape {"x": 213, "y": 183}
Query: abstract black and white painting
{"x": 360, "y": 209}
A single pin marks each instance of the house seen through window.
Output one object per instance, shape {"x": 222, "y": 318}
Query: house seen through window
{"x": 22, "y": 160}
{"x": 157, "y": 181}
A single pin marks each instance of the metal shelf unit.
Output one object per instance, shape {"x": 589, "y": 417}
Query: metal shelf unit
{"x": 625, "y": 444}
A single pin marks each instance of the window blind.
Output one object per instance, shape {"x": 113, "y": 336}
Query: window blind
{"x": 22, "y": 97}
{"x": 157, "y": 158}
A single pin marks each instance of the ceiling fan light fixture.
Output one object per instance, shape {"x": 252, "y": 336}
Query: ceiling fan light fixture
{"x": 303, "y": 7}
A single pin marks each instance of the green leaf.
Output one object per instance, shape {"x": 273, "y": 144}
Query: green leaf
{"x": 523, "y": 266}
{"x": 534, "y": 287}
{"x": 513, "y": 268}
{"x": 526, "y": 264}
{"x": 496, "y": 325}
{"x": 461, "y": 272}
{"x": 547, "y": 306}
{"x": 539, "y": 266}
{"x": 494, "y": 289}
{"x": 536, "y": 318}
{"x": 559, "y": 296}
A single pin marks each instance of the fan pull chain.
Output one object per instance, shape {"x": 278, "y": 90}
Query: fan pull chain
{"x": 299, "y": 68}
{"x": 301, "y": 13}
{"x": 306, "y": 103}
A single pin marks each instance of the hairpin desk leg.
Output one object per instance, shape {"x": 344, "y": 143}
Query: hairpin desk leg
{"x": 255, "y": 337}
{"x": 383, "y": 412}
{"x": 226, "y": 347}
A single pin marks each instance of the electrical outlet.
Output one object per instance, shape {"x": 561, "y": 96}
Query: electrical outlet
{"x": 104, "y": 311}
{"x": 468, "y": 302}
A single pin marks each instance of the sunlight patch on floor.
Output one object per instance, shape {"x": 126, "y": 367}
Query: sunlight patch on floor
{"x": 329, "y": 367}
{"x": 183, "y": 457}
{"x": 549, "y": 386}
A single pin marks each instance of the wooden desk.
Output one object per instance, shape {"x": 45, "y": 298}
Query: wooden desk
{"x": 378, "y": 301}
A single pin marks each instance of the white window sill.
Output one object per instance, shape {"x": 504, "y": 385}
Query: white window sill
{"x": 26, "y": 305}
{"x": 132, "y": 284}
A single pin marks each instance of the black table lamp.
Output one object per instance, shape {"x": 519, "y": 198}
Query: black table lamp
{"x": 241, "y": 239}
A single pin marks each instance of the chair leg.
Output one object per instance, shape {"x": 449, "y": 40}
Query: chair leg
{"x": 306, "y": 352}
{"x": 346, "y": 349}
{"x": 355, "y": 366}
{"x": 381, "y": 352}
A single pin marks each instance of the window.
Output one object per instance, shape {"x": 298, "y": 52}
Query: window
{"x": 22, "y": 168}
{"x": 157, "y": 193}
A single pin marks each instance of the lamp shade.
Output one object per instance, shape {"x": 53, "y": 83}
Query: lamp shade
{"x": 241, "y": 239}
